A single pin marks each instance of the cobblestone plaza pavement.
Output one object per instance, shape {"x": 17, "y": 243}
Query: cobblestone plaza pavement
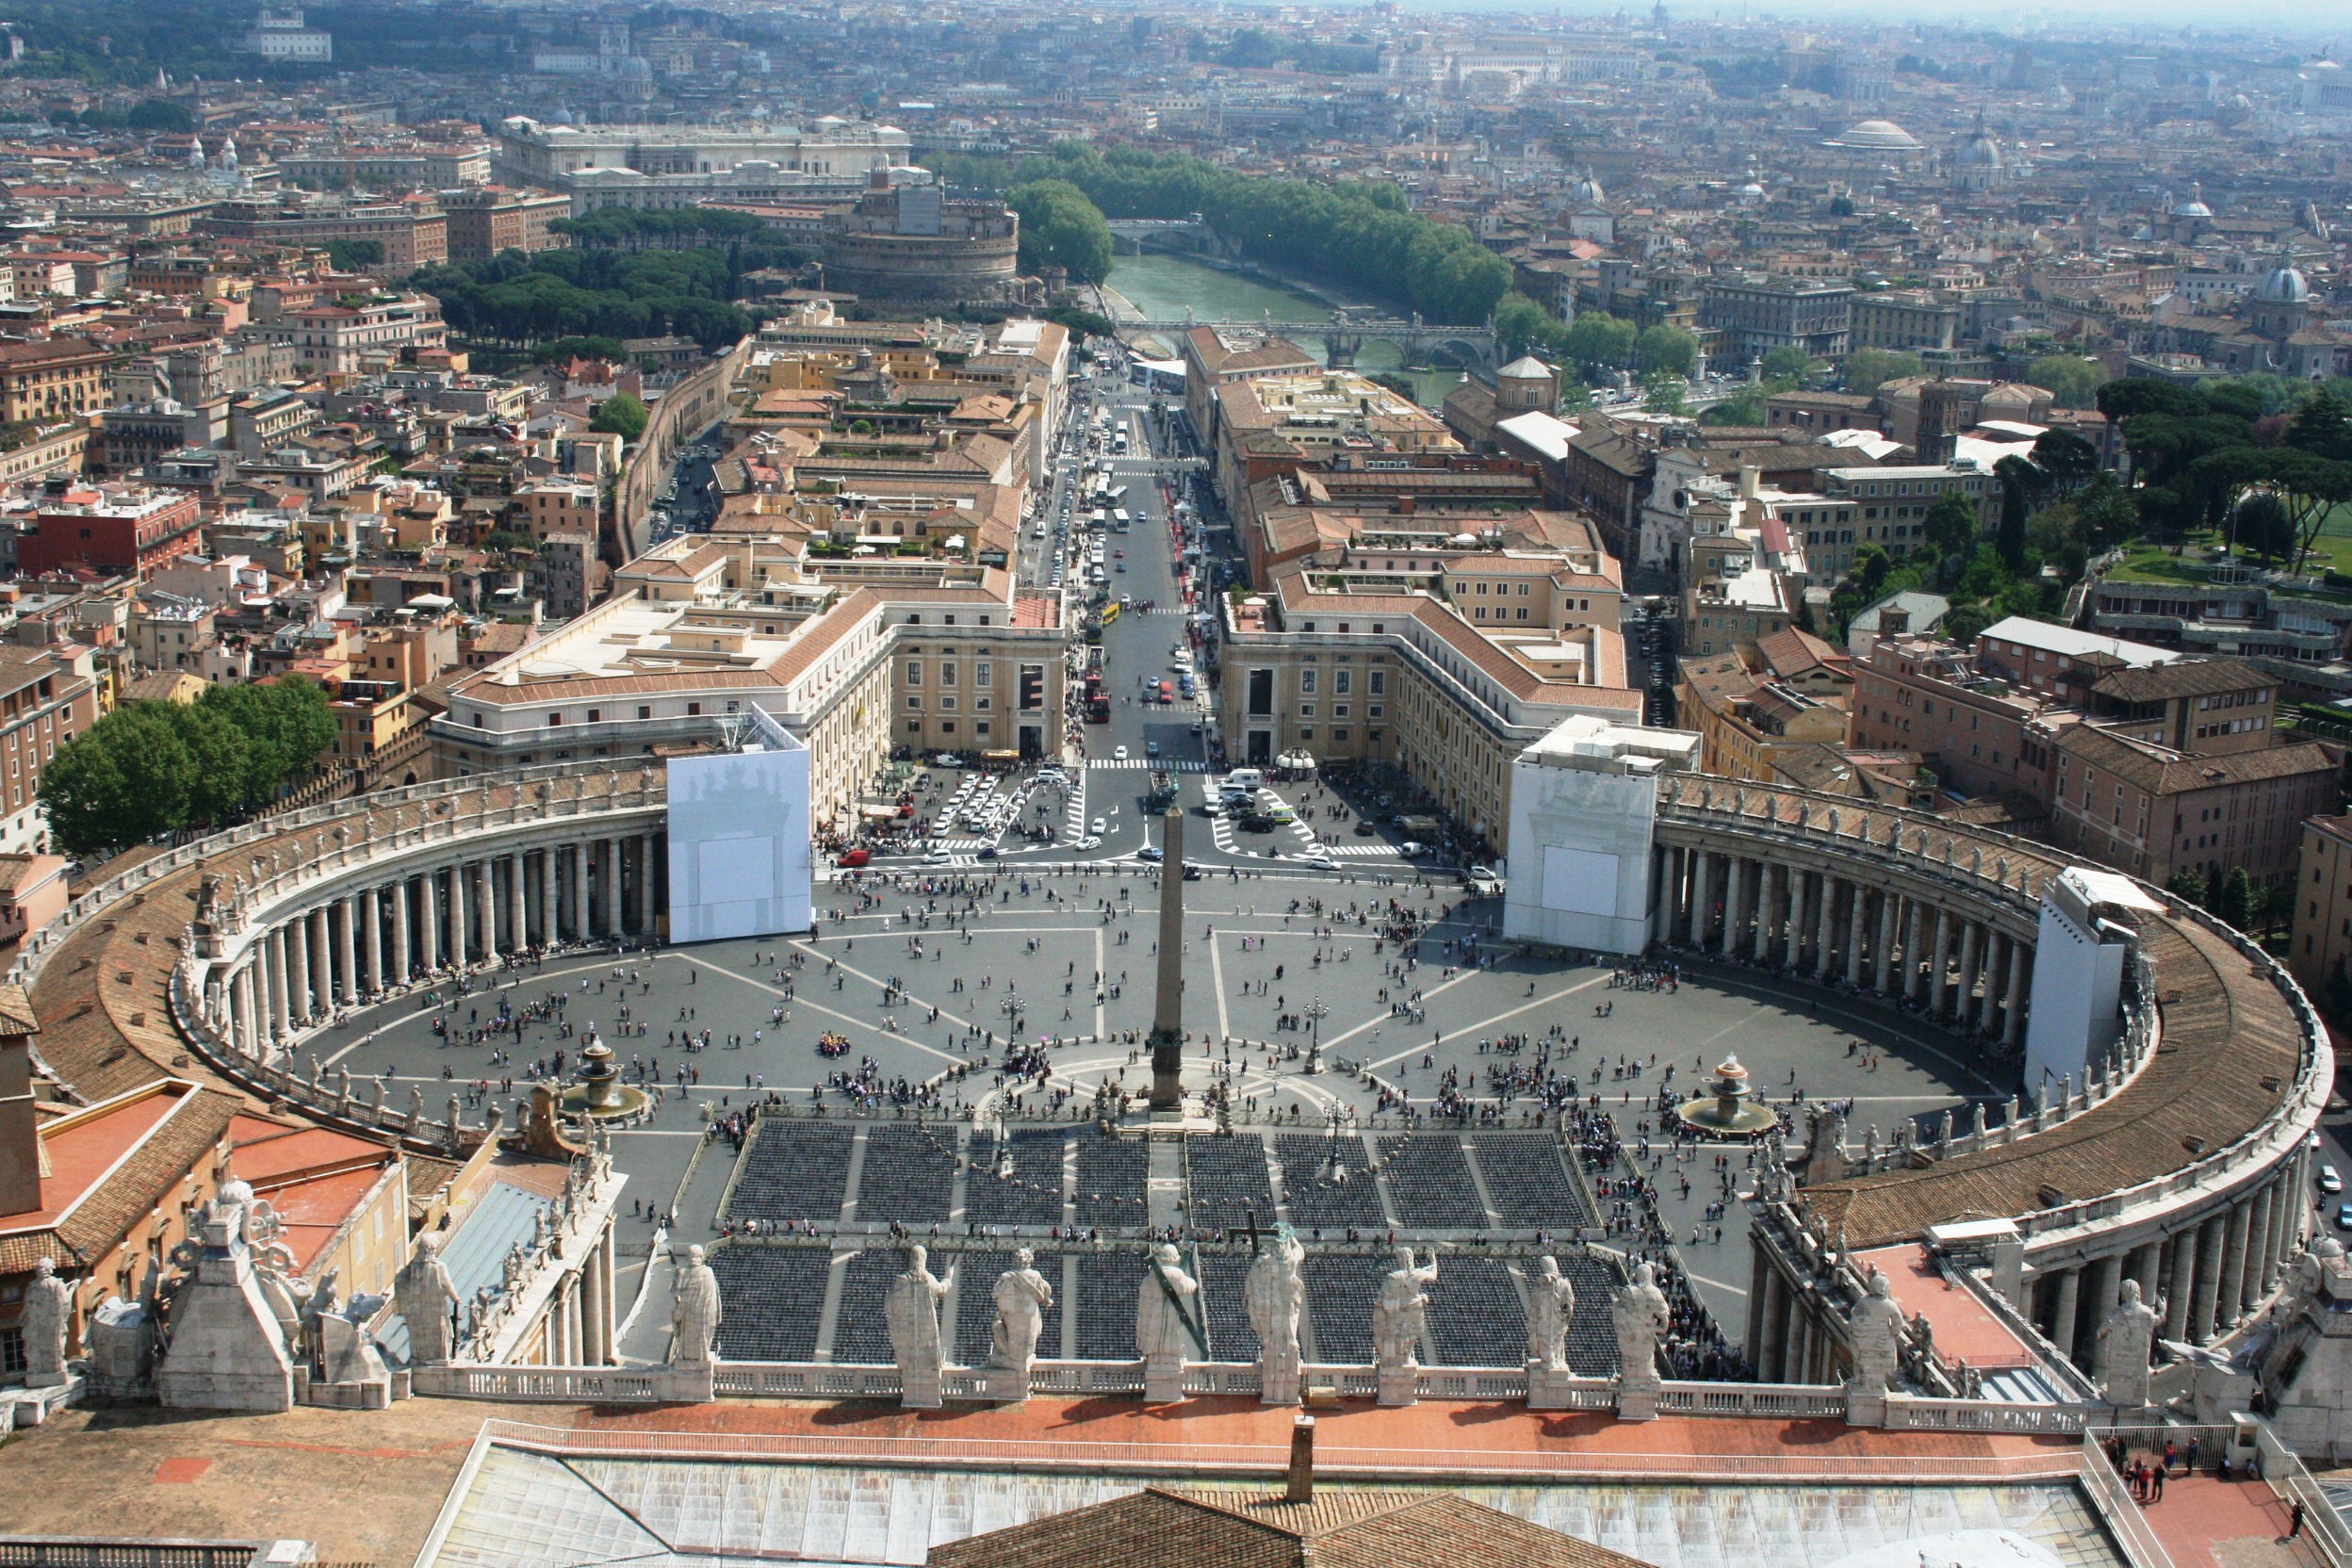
{"x": 923, "y": 972}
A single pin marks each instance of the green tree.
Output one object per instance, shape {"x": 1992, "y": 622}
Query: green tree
{"x": 1951, "y": 526}
{"x": 620, "y": 415}
{"x": 2259, "y": 523}
{"x": 354, "y": 255}
{"x": 1060, "y": 227}
{"x": 1868, "y": 370}
{"x": 2187, "y": 886}
{"x": 1663, "y": 392}
{"x": 123, "y": 781}
{"x": 1742, "y": 407}
{"x": 1522, "y": 326}
{"x": 160, "y": 115}
{"x": 2237, "y": 900}
{"x": 1785, "y": 364}
{"x": 1670, "y": 350}
{"x": 2072, "y": 380}
{"x": 1599, "y": 342}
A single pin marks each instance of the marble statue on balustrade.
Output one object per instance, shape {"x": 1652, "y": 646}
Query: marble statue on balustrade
{"x": 1166, "y": 1335}
{"x": 1875, "y": 1327}
{"x": 1551, "y": 1308}
{"x": 2126, "y": 1339}
{"x": 1639, "y": 1317}
{"x": 48, "y": 1312}
{"x": 1399, "y": 1314}
{"x": 1020, "y": 1296}
{"x": 1274, "y": 1293}
{"x": 428, "y": 1302}
{"x": 910, "y": 1310}
{"x": 694, "y": 1327}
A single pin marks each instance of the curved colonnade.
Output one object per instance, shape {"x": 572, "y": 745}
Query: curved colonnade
{"x": 2181, "y": 1162}
{"x": 275, "y": 926}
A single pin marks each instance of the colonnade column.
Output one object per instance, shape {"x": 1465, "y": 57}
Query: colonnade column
{"x": 429, "y": 917}
{"x": 296, "y": 934}
{"x": 402, "y": 965}
{"x": 549, "y": 934}
{"x": 1857, "y": 905}
{"x": 1735, "y": 870}
{"x": 1759, "y": 942}
{"x": 2226, "y": 1310}
{"x": 608, "y": 856}
{"x": 2210, "y": 1238}
{"x": 580, "y": 890}
{"x": 2181, "y": 1295}
{"x": 2283, "y": 1195}
{"x": 2255, "y": 1282}
{"x": 486, "y": 877}
{"x": 371, "y": 948}
{"x": 347, "y": 947}
{"x": 1793, "y": 946}
{"x": 1693, "y": 929}
{"x": 1887, "y": 901}
{"x": 270, "y": 982}
{"x": 241, "y": 993}
{"x": 457, "y": 917}
{"x": 1995, "y": 951}
{"x": 646, "y": 851}
{"x": 2013, "y": 1004}
{"x": 1913, "y": 970}
{"x": 1939, "y": 959}
{"x": 518, "y": 902}
{"x": 2140, "y": 1264}
{"x": 2062, "y": 1319}
{"x": 1770, "y": 1353}
{"x": 1972, "y": 936}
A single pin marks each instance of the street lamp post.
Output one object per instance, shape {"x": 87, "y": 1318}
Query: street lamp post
{"x": 1314, "y": 1013}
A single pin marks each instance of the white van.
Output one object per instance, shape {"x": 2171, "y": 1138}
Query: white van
{"x": 1250, "y": 779}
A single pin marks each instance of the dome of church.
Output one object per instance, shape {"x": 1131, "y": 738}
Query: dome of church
{"x": 2283, "y": 286}
{"x": 1587, "y": 190}
{"x": 2195, "y": 206}
{"x": 1881, "y": 135}
{"x": 1980, "y": 151}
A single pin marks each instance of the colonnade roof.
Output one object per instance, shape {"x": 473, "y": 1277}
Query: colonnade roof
{"x": 2231, "y": 1049}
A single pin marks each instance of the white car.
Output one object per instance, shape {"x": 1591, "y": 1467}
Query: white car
{"x": 1119, "y": 753}
{"x": 1097, "y": 828}
{"x": 1320, "y": 862}
{"x": 1411, "y": 850}
{"x": 2329, "y": 1181}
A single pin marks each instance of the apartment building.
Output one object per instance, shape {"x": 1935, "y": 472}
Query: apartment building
{"x": 47, "y": 697}
{"x": 113, "y": 531}
{"x": 51, "y": 379}
{"x": 1757, "y": 315}
{"x": 2321, "y": 947}
{"x": 1889, "y": 505}
{"x": 1905, "y": 320}
{"x": 2151, "y": 810}
{"x": 484, "y": 220}
{"x": 1749, "y": 724}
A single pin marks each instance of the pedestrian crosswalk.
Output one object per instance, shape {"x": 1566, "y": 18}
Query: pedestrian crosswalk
{"x": 1162, "y": 764}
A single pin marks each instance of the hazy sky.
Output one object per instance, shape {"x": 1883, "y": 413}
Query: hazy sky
{"x": 2313, "y": 23}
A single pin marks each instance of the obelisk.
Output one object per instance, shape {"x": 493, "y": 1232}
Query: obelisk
{"x": 1167, "y": 1009}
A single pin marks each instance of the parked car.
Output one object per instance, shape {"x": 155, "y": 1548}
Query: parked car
{"x": 2329, "y": 1181}
{"x": 853, "y": 858}
{"x": 1150, "y": 852}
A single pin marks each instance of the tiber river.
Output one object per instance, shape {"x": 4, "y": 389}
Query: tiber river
{"x": 1162, "y": 286}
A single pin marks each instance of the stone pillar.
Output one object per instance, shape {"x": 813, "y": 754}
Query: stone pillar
{"x": 346, "y": 946}
{"x": 1734, "y": 894}
{"x": 268, "y": 984}
{"x": 1882, "y": 961}
{"x": 1857, "y": 907}
{"x": 2283, "y": 1193}
{"x": 2140, "y": 1264}
{"x": 1702, "y": 923}
{"x": 2013, "y": 1004}
{"x": 1915, "y": 974}
{"x": 1996, "y": 953}
{"x": 580, "y": 890}
{"x": 1963, "y": 1003}
{"x": 517, "y": 904}
{"x": 2181, "y": 1296}
{"x": 1770, "y": 1353}
{"x": 2226, "y": 1311}
{"x": 321, "y": 962}
{"x": 403, "y": 962}
{"x": 609, "y": 855}
{"x": 487, "y": 872}
{"x": 2063, "y": 1316}
{"x": 2209, "y": 1239}
{"x": 371, "y": 938}
{"x": 1760, "y": 942}
{"x": 457, "y": 943}
{"x": 1825, "y": 929}
{"x": 429, "y": 917}
{"x": 2105, "y": 1288}
{"x": 592, "y": 1303}
{"x": 298, "y": 969}
{"x": 241, "y": 1002}
{"x": 645, "y": 887}
{"x": 1798, "y": 880}
{"x": 2255, "y": 1283}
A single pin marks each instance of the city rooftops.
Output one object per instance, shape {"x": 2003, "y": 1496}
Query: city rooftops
{"x": 2065, "y": 642}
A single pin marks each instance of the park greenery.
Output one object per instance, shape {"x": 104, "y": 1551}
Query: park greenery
{"x": 1597, "y": 345}
{"x": 153, "y": 768}
{"x": 518, "y": 301}
{"x": 2221, "y": 456}
{"x": 620, "y": 415}
{"x": 1060, "y": 227}
{"x": 1360, "y": 235}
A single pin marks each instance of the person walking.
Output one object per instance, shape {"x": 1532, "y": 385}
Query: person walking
{"x": 2294, "y": 1520}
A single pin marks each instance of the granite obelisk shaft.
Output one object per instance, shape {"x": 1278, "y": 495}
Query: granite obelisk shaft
{"x": 1167, "y": 1009}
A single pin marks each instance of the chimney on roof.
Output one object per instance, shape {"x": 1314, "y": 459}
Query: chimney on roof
{"x": 20, "y": 1131}
{"x": 1301, "y": 1483}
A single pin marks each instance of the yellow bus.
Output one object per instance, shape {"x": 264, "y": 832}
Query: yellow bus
{"x": 1110, "y": 612}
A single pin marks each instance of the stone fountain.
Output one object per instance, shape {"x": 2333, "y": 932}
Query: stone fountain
{"x": 599, "y": 1095}
{"x": 1729, "y": 1108}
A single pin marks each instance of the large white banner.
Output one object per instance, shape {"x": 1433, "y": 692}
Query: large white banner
{"x": 739, "y": 857}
